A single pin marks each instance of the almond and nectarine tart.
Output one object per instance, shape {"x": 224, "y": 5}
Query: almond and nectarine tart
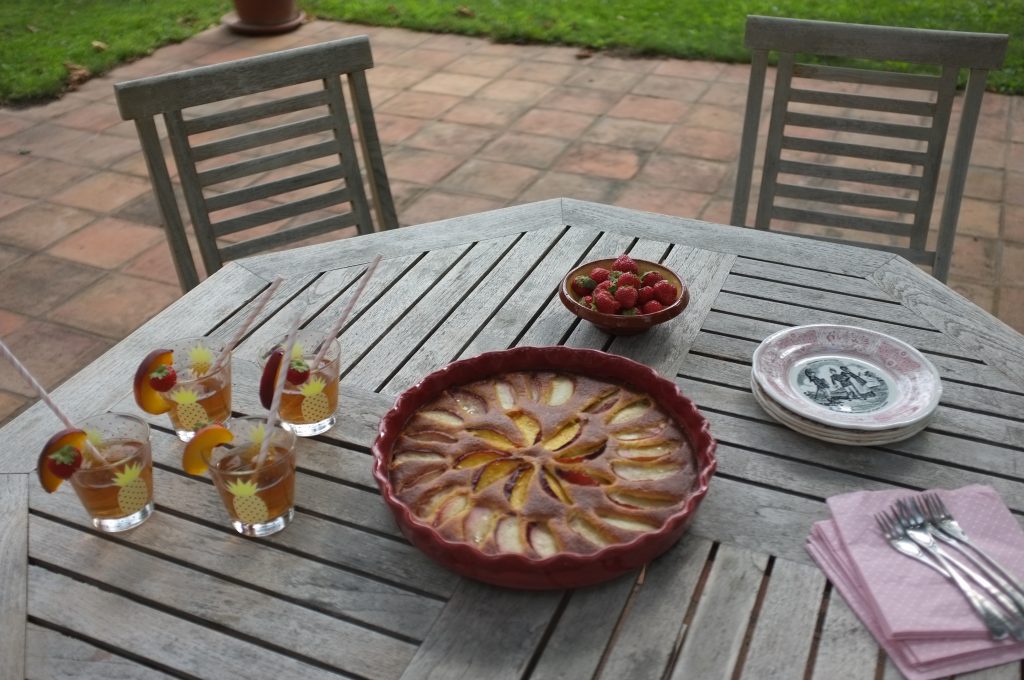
{"x": 540, "y": 463}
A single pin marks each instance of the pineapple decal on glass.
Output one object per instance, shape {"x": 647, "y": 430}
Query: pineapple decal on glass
{"x": 133, "y": 493}
{"x": 187, "y": 413}
{"x": 315, "y": 405}
{"x": 249, "y": 507}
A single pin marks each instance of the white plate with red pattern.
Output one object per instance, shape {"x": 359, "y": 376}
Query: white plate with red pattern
{"x": 847, "y": 377}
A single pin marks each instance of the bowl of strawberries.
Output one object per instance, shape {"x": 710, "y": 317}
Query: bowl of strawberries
{"x": 623, "y": 296}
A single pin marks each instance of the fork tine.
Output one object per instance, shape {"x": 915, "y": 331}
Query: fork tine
{"x": 932, "y": 505}
{"x": 883, "y": 523}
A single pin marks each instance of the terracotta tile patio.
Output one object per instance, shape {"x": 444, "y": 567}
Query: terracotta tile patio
{"x": 468, "y": 126}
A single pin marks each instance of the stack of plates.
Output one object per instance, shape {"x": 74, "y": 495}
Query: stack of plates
{"x": 844, "y": 384}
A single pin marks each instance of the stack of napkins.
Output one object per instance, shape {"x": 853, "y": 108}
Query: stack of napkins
{"x": 922, "y": 620}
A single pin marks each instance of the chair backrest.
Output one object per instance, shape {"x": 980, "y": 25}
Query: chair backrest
{"x": 884, "y": 132}
{"x": 262, "y": 143}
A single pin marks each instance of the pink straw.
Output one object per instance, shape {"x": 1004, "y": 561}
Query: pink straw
{"x": 31, "y": 380}
{"x": 275, "y": 402}
{"x": 263, "y": 300}
{"x": 344, "y": 313}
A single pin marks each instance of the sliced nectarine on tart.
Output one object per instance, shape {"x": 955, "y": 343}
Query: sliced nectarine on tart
{"x": 161, "y": 363}
{"x": 198, "y": 449}
{"x": 60, "y": 458}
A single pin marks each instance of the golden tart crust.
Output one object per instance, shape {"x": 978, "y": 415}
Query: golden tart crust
{"x": 542, "y": 463}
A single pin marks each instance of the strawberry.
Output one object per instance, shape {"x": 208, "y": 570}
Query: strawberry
{"x": 298, "y": 372}
{"x": 629, "y": 312}
{"x": 626, "y": 295}
{"x": 651, "y": 278}
{"x": 652, "y": 306}
{"x": 605, "y": 303}
{"x": 628, "y": 279}
{"x": 64, "y": 461}
{"x": 665, "y": 292}
{"x": 588, "y": 300}
{"x": 163, "y": 378}
{"x": 604, "y": 285}
{"x": 624, "y": 263}
{"x": 581, "y": 285}
{"x": 599, "y": 274}
{"x": 645, "y": 293}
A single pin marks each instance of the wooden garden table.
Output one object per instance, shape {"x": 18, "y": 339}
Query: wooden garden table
{"x": 340, "y": 592}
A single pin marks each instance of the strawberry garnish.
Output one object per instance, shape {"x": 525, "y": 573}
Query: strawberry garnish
{"x": 652, "y": 306}
{"x": 64, "y": 461}
{"x": 624, "y": 263}
{"x": 651, "y": 278}
{"x": 665, "y": 292}
{"x": 298, "y": 372}
{"x": 599, "y": 274}
{"x": 626, "y": 295}
{"x": 163, "y": 378}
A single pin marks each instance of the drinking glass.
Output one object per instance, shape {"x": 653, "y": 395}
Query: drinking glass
{"x": 116, "y": 491}
{"x": 201, "y": 395}
{"x": 308, "y": 408}
{"x": 258, "y": 496}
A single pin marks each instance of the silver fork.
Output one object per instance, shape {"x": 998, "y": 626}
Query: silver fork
{"x": 910, "y": 516}
{"x": 998, "y": 624}
{"x": 951, "y": 532}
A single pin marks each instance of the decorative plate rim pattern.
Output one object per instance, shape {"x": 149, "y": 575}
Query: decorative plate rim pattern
{"x": 565, "y": 570}
{"x": 920, "y": 387}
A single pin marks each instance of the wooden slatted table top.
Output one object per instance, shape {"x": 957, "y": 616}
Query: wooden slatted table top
{"x": 341, "y": 593}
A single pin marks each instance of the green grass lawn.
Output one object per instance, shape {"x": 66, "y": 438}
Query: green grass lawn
{"x": 39, "y": 38}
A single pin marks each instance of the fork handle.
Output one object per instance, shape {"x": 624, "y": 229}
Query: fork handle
{"x": 996, "y": 623}
{"x": 998, "y": 576}
{"x": 1012, "y": 584}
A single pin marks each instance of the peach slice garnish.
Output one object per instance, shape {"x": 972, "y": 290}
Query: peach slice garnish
{"x": 198, "y": 450}
{"x": 73, "y": 438}
{"x": 268, "y": 379}
{"x": 148, "y": 399}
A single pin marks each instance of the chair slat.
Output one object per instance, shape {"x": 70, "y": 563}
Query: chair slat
{"x": 270, "y": 162}
{"x": 860, "y": 76}
{"x": 252, "y": 140}
{"x": 857, "y": 126}
{"x": 862, "y": 102}
{"x": 844, "y": 174}
{"x": 261, "y": 243}
{"x": 275, "y": 188}
{"x": 860, "y": 200}
{"x": 281, "y": 212}
{"x": 248, "y": 114}
{"x": 873, "y": 153}
{"x": 855, "y": 222}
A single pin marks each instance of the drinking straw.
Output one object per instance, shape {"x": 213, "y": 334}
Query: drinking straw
{"x": 344, "y": 313}
{"x": 275, "y": 402}
{"x": 263, "y": 300}
{"x": 31, "y": 380}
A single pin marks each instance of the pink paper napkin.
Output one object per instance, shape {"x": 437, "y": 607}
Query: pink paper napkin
{"x": 874, "y": 582}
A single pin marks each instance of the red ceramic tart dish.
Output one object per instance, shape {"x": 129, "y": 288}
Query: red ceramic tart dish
{"x": 543, "y": 467}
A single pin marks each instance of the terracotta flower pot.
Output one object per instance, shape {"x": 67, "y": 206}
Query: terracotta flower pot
{"x": 264, "y": 17}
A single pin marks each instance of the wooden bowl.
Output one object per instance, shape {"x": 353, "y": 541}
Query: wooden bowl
{"x": 616, "y": 324}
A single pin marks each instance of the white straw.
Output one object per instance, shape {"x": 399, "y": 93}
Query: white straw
{"x": 344, "y": 314}
{"x": 275, "y": 402}
{"x": 31, "y": 379}
{"x": 263, "y": 300}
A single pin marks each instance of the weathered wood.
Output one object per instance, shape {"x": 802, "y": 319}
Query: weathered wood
{"x": 14, "y": 567}
{"x": 715, "y": 638}
{"x": 781, "y": 643}
{"x": 52, "y": 655}
{"x": 578, "y": 643}
{"x": 142, "y": 577}
{"x": 127, "y": 624}
{"x": 846, "y": 649}
{"x": 808, "y": 277}
{"x": 653, "y": 624}
{"x": 484, "y": 632}
{"x": 961, "y": 321}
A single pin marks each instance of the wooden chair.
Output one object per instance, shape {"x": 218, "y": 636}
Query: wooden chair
{"x": 232, "y": 155}
{"x": 883, "y": 131}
